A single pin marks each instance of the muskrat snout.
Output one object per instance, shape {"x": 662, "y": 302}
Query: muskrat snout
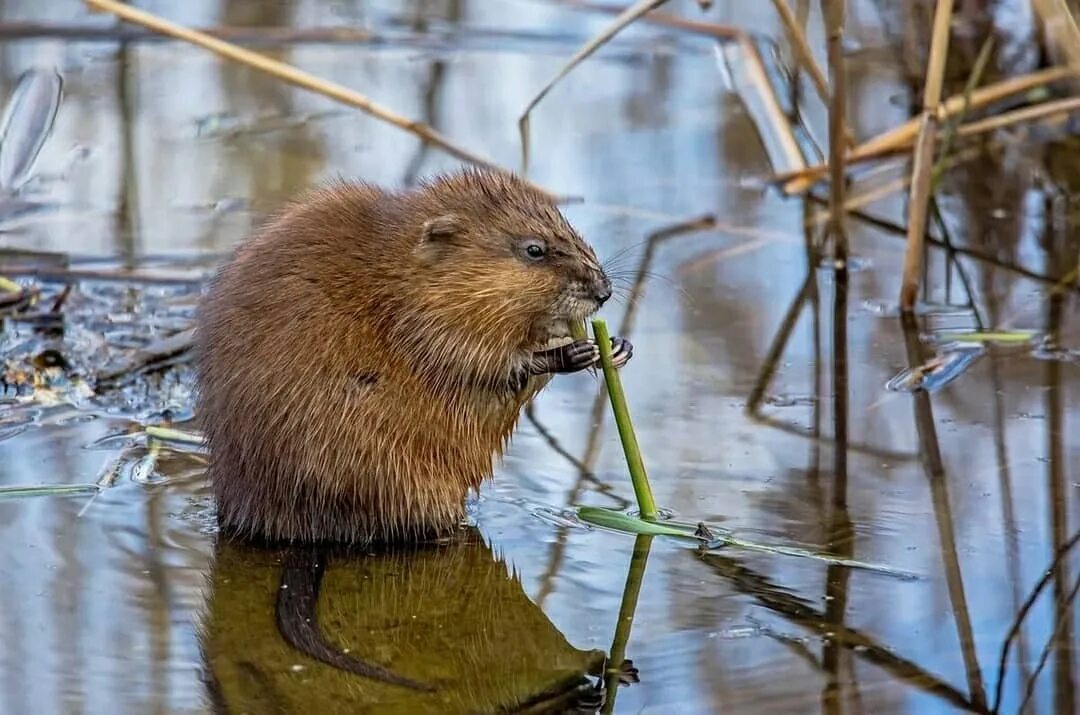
{"x": 602, "y": 289}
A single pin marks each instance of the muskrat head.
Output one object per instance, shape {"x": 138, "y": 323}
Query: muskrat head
{"x": 510, "y": 251}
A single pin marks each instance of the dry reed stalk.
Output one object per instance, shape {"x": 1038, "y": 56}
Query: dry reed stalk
{"x": 833, "y": 11}
{"x": 923, "y": 163}
{"x": 902, "y": 137}
{"x": 755, "y": 66}
{"x": 287, "y": 73}
{"x": 624, "y": 18}
{"x": 859, "y": 200}
{"x": 805, "y": 57}
{"x": 1026, "y": 114}
{"x": 1060, "y": 28}
{"x": 755, "y": 69}
{"x": 1045, "y": 110}
{"x": 709, "y": 29}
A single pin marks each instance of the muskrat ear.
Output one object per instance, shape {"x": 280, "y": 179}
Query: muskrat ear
{"x": 442, "y": 228}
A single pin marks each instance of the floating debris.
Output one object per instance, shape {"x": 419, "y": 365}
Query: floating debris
{"x": 155, "y": 356}
{"x": 15, "y": 297}
{"x": 1048, "y": 349}
{"x": 715, "y": 537}
{"x": 938, "y": 371}
{"x": 790, "y": 400}
{"x": 144, "y": 469}
{"x": 891, "y": 309}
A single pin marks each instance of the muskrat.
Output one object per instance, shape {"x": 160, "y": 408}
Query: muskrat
{"x": 364, "y": 357}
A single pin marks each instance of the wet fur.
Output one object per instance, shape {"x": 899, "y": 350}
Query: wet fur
{"x": 360, "y": 358}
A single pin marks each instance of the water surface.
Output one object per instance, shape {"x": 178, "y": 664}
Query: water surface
{"x": 163, "y": 158}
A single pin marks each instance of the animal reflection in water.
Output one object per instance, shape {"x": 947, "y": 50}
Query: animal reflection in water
{"x": 440, "y": 628}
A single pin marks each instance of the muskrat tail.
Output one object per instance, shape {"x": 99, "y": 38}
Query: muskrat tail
{"x": 298, "y": 596}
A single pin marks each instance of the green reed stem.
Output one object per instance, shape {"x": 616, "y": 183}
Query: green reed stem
{"x": 642, "y": 490}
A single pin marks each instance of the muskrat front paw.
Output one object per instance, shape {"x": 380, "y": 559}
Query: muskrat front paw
{"x": 572, "y": 357}
{"x": 621, "y": 351}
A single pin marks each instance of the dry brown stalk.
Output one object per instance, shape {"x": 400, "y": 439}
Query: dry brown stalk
{"x": 857, "y": 200}
{"x": 287, "y": 73}
{"x": 755, "y": 67}
{"x": 902, "y": 137}
{"x": 1017, "y": 116}
{"x": 805, "y": 57}
{"x": 779, "y": 121}
{"x": 624, "y": 18}
{"x": 1060, "y": 28}
{"x": 923, "y": 163}
{"x": 833, "y": 12}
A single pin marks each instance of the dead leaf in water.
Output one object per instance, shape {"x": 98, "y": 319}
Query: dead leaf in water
{"x": 938, "y": 371}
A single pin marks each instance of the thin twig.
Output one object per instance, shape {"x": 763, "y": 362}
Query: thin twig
{"x": 896, "y": 229}
{"x": 626, "y": 17}
{"x": 701, "y": 223}
{"x": 973, "y": 80}
{"x": 805, "y": 57}
{"x": 290, "y": 74}
{"x": 902, "y": 137}
{"x": 1024, "y": 114}
{"x": 264, "y": 35}
{"x": 1029, "y": 602}
{"x": 755, "y": 67}
{"x": 1062, "y": 621}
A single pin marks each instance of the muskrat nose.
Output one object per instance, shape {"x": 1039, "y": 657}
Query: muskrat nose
{"x": 602, "y": 290}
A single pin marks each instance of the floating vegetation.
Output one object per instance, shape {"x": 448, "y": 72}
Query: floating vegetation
{"x": 711, "y": 538}
{"x": 618, "y": 521}
{"x": 938, "y": 371}
{"x": 1011, "y": 337}
{"x": 171, "y": 434}
{"x": 790, "y": 400}
{"x": 47, "y": 490}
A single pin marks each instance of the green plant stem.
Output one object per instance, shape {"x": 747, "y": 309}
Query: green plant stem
{"x": 617, "y": 654}
{"x": 642, "y": 490}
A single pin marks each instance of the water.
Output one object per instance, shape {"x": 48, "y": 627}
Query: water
{"x": 163, "y": 157}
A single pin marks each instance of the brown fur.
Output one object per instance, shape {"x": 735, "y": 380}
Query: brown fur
{"x": 356, "y": 355}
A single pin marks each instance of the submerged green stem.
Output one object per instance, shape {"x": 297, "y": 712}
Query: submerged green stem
{"x": 634, "y": 462}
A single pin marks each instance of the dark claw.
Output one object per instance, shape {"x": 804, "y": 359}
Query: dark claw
{"x": 621, "y": 351}
{"x": 628, "y": 674}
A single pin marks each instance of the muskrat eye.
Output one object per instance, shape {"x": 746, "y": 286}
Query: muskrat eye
{"x": 535, "y": 248}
